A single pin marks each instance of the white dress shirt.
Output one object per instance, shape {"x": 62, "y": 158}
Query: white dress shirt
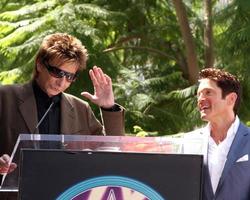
{"x": 217, "y": 153}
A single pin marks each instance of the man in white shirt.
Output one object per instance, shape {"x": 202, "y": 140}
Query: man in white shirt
{"x": 226, "y": 164}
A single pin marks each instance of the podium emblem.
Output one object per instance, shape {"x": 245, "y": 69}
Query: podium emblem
{"x": 110, "y": 188}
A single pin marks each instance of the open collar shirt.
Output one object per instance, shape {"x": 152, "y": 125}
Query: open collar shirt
{"x": 217, "y": 153}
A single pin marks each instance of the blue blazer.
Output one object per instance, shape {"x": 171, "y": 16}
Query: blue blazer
{"x": 234, "y": 183}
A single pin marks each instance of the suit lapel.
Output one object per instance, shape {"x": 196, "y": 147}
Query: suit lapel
{"x": 27, "y": 106}
{"x": 28, "y": 110}
{"x": 236, "y": 148}
{"x": 207, "y": 185}
{"x": 67, "y": 115}
{"x": 208, "y": 190}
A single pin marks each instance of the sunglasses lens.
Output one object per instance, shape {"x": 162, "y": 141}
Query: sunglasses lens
{"x": 71, "y": 77}
{"x": 58, "y": 73}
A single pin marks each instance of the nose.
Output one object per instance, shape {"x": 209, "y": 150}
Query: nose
{"x": 200, "y": 97}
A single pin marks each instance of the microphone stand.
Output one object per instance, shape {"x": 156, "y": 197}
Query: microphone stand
{"x": 55, "y": 99}
{"x": 45, "y": 114}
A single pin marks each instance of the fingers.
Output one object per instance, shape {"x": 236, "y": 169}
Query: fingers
{"x": 103, "y": 94}
{"x": 108, "y": 79}
{"x": 8, "y": 169}
{"x": 12, "y": 167}
{"x": 4, "y": 160}
{"x": 98, "y": 77}
{"x": 88, "y": 96}
{"x": 93, "y": 77}
{"x": 5, "y": 165}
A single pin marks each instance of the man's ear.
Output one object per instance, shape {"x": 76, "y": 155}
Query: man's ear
{"x": 231, "y": 98}
{"x": 38, "y": 67}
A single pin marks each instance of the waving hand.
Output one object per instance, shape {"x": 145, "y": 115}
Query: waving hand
{"x": 103, "y": 93}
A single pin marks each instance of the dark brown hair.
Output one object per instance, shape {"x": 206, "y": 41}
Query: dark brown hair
{"x": 224, "y": 80}
{"x": 63, "y": 46}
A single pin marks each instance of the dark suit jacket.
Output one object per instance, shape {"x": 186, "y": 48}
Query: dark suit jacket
{"x": 18, "y": 114}
{"x": 234, "y": 183}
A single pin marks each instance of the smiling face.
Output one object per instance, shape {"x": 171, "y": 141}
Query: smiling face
{"x": 211, "y": 104}
{"x": 50, "y": 84}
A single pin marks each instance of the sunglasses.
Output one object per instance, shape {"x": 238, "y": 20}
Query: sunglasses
{"x": 58, "y": 73}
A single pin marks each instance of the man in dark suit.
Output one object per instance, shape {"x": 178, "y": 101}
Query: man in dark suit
{"x": 57, "y": 64}
{"x": 226, "y": 161}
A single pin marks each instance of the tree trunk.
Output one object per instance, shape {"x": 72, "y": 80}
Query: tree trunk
{"x": 208, "y": 34}
{"x": 192, "y": 62}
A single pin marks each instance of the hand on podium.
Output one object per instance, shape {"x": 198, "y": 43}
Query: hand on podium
{"x": 5, "y": 165}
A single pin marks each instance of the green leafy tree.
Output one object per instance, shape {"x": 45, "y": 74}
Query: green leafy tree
{"x": 139, "y": 43}
{"x": 232, "y": 39}
{"x": 135, "y": 44}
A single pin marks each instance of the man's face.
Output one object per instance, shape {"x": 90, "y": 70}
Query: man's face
{"x": 49, "y": 81}
{"x": 210, "y": 102}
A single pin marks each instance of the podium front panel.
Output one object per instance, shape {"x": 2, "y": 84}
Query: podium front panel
{"x": 125, "y": 144}
{"x": 103, "y": 175}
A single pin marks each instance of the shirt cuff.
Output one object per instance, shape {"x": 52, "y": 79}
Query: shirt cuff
{"x": 114, "y": 108}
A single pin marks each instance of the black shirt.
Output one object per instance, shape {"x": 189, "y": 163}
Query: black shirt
{"x": 51, "y": 123}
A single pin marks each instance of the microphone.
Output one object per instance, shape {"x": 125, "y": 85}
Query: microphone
{"x": 55, "y": 99}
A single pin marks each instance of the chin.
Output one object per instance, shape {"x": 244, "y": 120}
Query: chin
{"x": 204, "y": 117}
{"x": 52, "y": 93}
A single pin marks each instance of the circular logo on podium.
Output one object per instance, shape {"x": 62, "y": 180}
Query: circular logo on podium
{"x": 110, "y": 188}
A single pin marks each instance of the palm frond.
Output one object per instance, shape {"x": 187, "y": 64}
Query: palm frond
{"x": 9, "y": 77}
{"x": 27, "y": 11}
{"x": 92, "y": 10}
{"x": 184, "y": 93}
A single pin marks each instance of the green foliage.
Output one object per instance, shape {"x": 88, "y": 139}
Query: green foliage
{"x": 158, "y": 108}
{"x": 136, "y": 42}
{"x": 139, "y": 44}
{"x": 141, "y": 133}
{"x": 232, "y": 39}
{"x": 8, "y": 77}
{"x": 23, "y": 29}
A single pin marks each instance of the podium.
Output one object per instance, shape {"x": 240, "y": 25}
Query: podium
{"x": 78, "y": 167}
